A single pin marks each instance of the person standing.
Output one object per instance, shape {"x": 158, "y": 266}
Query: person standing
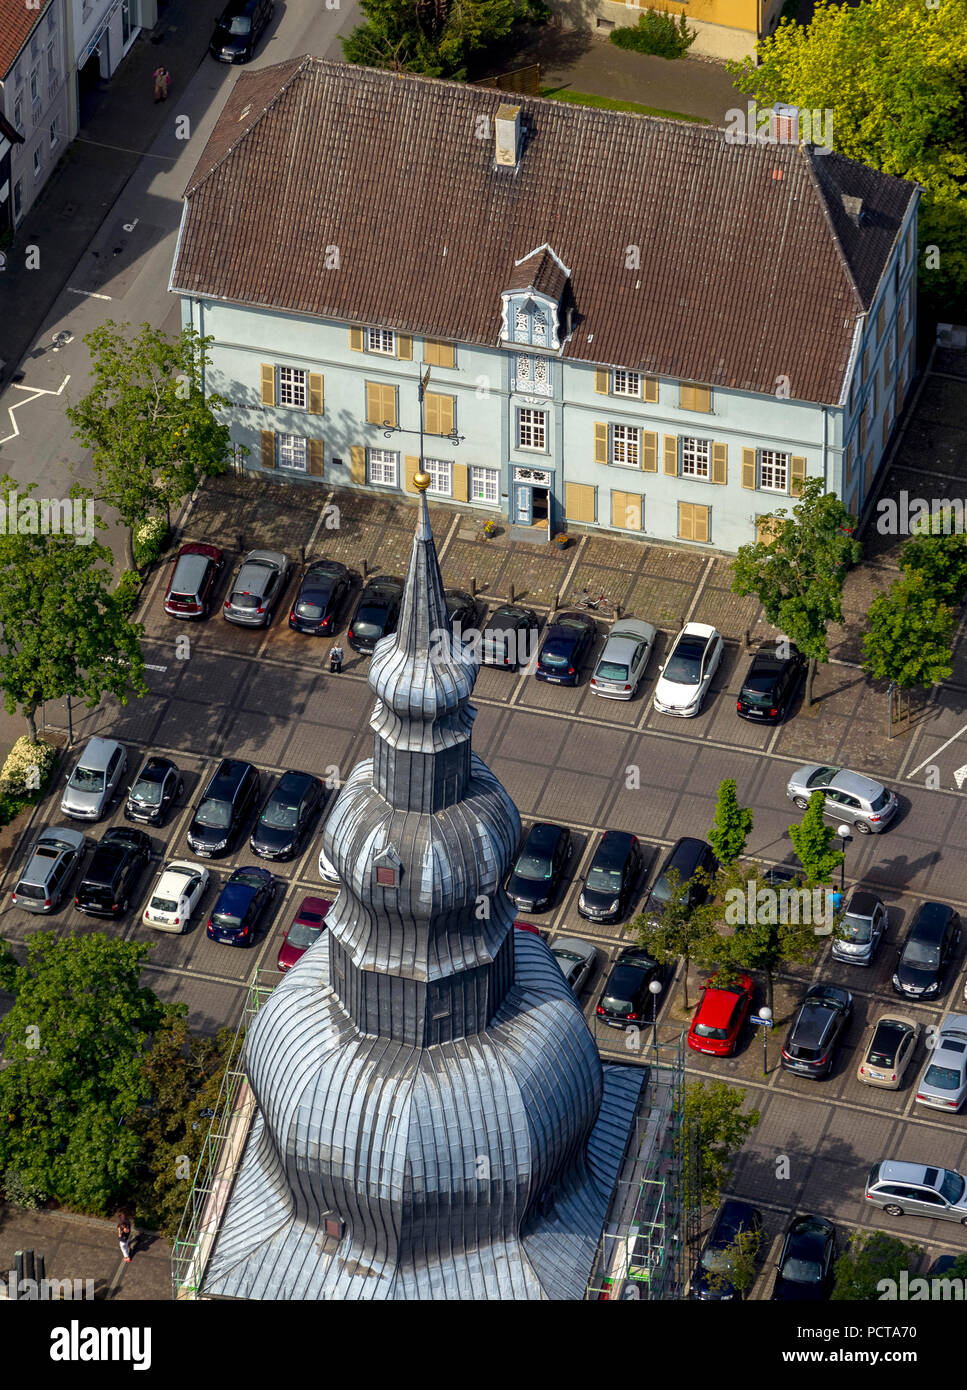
{"x": 124, "y": 1236}
{"x": 162, "y": 81}
{"x": 335, "y": 660}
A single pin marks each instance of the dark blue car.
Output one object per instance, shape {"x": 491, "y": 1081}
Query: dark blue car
{"x": 567, "y": 642}
{"x": 734, "y": 1219}
{"x": 240, "y": 905}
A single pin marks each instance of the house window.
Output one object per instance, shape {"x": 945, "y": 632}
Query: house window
{"x": 484, "y": 484}
{"x": 34, "y": 86}
{"x": 51, "y": 64}
{"x": 383, "y": 467}
{"x": 696, "y": 457}
{"x": 292, "y": 387}
{"x": 626, "y": 384}
{"x": 533, "y": 375}
{"x": 532, "y": 429}
{"x": 125, "y": 20}
{"x": 773, "y": 470}
{"x": 386, "y": 877}
{"x": 292, "y": 452}
{"x": 625, "y": 446}
{"x": 18, "y": 113}
{"x": 530, "y": 324}
{"x": 53, "y": 133}
{"x": 439, "y": 471}
{"x": 381, "y": 340}
{"x": 37, "y": 164}
{"x": 539, "y": 323}
{"x": 17, "y": 197}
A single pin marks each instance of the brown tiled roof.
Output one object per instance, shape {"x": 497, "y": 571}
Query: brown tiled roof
{"x": 747, "y": 267}
{"x": 541, "y": 271}
{"x": 17, "y": 23}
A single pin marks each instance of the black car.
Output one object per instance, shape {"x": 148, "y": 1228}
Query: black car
{"x": 734, "y": 1219}
{"x": 771, "y": 682}
{"x": 238, "y": 29}
{"x": 225, "y": 807}
{"x": 816, "y": 1030}
{"x": 239, "y": 906}
{"x": 154, "y": 791}
{"x": 509, "y": 638}
{"x": 685, "y": 858}
{"x": 567, "y": 642}
{"x": 108, "y": 883}
{"x": 626, "y": 998}
{"x": 805, "y": 1268}
{"x": 930, "y": 947}
{"x": 377, "y": 613}
{"x": 612, "y": 877}
{"x": 323, "y": 594}
{"x": 288, "y": 816}
{"x": 540, "y": 864}
{"x": 462, "y": 611}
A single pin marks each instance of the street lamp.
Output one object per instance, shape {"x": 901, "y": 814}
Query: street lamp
{"x": 766, "y": 1015}
{"x": 843, "y": 831}
{"x": 654, "y": 989}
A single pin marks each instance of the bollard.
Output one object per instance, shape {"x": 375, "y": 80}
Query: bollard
{"x": 302, "y": 555}
{"x": 474, "y": 591}
{"x": 365, "y": 569}
{"x": 240, "y": 542}
{"x": 510, "y": 593}
{"x": 746, "y": 640}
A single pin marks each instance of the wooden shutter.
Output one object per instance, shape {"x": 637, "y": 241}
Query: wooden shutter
{"x": 749, "y": 468}
{"x": 766, "y": 528}
{"x": 380, "y": 403}
{"x": 268, "y": 449}
{"x": 439, "y": 413}
{"x": 797, "y": 474}
{"x": 600, "y": 442}
{"x": 268, "y": 383}
{"x": 694, "y": 397}
{"x": 579, "y": 502}
{"x": 702, "y": 521}
{"x": 602, "y": 381}
{"x": 720, "y": 463}
{"x": 315, "y": 393}
{"x": 316, "y": 457}
{"x": 649, "y": 451}
{"x": 356, "y": 339}
{"x": 404, "y": 347}
{"x": 437, "y": 354}
{"x": 880, "y": 320}
{"x": 411, "y": 466}
{"x": 357, "y": 463}
{"x": 650, "y": 390}
{"x": 670, "y": 456}
{"x": 458, "y": 475}
{"x": 626, "y": 511}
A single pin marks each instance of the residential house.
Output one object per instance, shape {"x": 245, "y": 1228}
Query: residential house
{"x": 100, "y": 35}
{"x": 33, "y": 97}
{"x": 722, "y": 28}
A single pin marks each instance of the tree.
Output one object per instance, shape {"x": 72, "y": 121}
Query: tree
{"x": 738, "y": 1268}
{"x": 798, "y": 573}
{"x": 714, "y": 1121}
{"x": 74, "y": 1043}
{"x": 762, "y": 941}
{"x": 732, "y": 824}
{"x": 910, "y": 634}
{"x": 679, "y": 930}
{"x": 891, "y": 73}
{"x": 434, "y": 37}
{"x": 938, "y": 552}
{"x": 869, "y": 1257}
{"x": 153, "y": 432}
{"x": 63, "y": 629}
{"x": 812, "y": 841}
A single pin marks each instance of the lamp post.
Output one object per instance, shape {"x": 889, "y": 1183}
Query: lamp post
{"x": 843, "y": 831}
{"x": 766, "y": 1015}
{"x": 654, "y": 989}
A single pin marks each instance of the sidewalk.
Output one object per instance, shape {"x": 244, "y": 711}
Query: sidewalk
{"x": 84, "y": 1248}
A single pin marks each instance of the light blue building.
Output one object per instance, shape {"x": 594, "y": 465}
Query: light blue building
{"x": 626, "y": 323}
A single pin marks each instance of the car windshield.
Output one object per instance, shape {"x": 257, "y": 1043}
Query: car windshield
{"x": 702, "y": 1030}
{"x": 147, "y": 792}
{"x": 164, "y": 905}
{"x": 821, "y": 777}
{"x": 683, "y": 669}
{"x": 216, "y": 814}
{"x": 29, "y": 890}
{"x": 603, "y": 878}
{"x": 922, "y": 955}
{"x": 716, "y": 1260}
{"x": 239, "y": 24}
{"x": 858, "y": 929}
{"x": 549, "y": 657}
{"x": 226, "y": 919}
{"x": 885, "y": 1046}
{"x": 616, "y": 1005}
{"x": 612, "y": 671}
{"x": 759, "y": 698}
{"x": 567, "y": 956}
{"x": 306, "y": 609}
{"x": 943, "y": 1078}
{"x": 802, "y": 1271}
{"x": 952, "y": 1186}
{"x": 301, "y": 934}
{"x": 85, "y": 779}
{"x": 280, "y": 817}
{"x": 533, "y": 866}
{"x": 245, "y": 601}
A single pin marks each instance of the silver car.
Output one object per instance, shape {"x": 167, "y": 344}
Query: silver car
{"x": 576, "y": 959}
{"x": 918, "y": 1189}
{"x": 943, "y": 1084}
{"x": 48, "y": 872}
{"x": 258, "y": 587}
{"x": 850, "y": 796}
{"x": 622, "y": 663}
{"x": 96, "y": 777}
{"x": 863, "y": 927}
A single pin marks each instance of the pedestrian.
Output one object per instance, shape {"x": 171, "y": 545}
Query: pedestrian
{"x": 335, "y": 660}
{"x": 162, "y": 82}
{"x": 835, "y": 901}
{"x": 124, "y": 1236}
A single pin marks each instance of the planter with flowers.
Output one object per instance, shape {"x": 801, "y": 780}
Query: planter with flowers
{"x": 490, "y": 528}
{"x": 562, "y": 540}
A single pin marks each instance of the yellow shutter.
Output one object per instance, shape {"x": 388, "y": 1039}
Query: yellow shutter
{"x": 626, "y": 511}
{"x": 695, "y": 398}
{"x": 458, "y": 474}
{"x": 431, "y": 413}
{"x": 720, "y": 463}
{"x": 437, "y": 354}
{"x": 670, "y": 463}
{"x": 685, "y": 397}
{"x": 702, "y": 522}
{"x": 439, "y": 413}
{"x": 380, "y": 403}
{"x": 315, "y": 393}
{"x": 357, "y": 463}
{"x": 650, "y": 385}
{"x": 686, "y": 525}
{"x": 411, "y": 466}
{"x": 268, "y": 384}
{"x": 316, "y": 456}
{"x": 268, "y": 449}
{"x": 766, "y": 528}
{"x": 356, "y": 339}
{"x": 404, "y": 347}
{"x": 602, "y": 381}
{"x": 649, "y": 451}
{"x": 797, "y": 474}
{"x": 748, "y": 468}
{"x": 579, "y": 502}
{"x": 600, "y": 442}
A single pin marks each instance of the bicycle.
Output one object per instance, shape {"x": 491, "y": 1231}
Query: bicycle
{"x": 597, "y": 603}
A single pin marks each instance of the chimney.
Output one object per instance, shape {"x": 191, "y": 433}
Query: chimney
{"x": 854, "y": 208}
{"x": 785, "y": 124}
{"x": 508, "y": 135}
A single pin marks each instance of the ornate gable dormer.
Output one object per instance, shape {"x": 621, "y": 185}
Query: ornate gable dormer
{"x": 536, "y": 306}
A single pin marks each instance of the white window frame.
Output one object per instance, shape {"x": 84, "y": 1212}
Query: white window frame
{"x": 533, "y": 375}
{"x": 625, "y": 383}
{"x": 38, "y": 162}
{"x": 294, "y": 383}
{"x": 35, "y": 85}
{"x": 382, "y": 468}
{"x": 536, "y": 425}
{"x": 292, "y": 452}
{"x": 381, "y": 341}
{"x": 540, "y": 328}
{"x": 693, "y": 465}
{"x": 625, "y": 446}
{"x": 441, "y": 475}
{"x": 483, "y": 484}
{"x": 773, "y": 463}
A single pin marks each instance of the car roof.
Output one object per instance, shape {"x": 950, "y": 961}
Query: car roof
{"x": 173, "y": 874}
{"x": 190, "y": 566}
{"x": 64, "y": 833}
{"x": 575, "y": 945}
{"x": 733, "y": 1214}
{"x": 619, "y": 648}
{"x": 97, "y": 753}
{"x": 891, "y": 1170}
{"x": 511, "y": 611}
{"x": 930, "y": 920}
{"x": 543, "y": 834}
{"x": 156, "y": 763}
{"x": 717, "y": 1003}
{"x": 265, "y": 557}
{"x": 613, "y": 848}
{"x": 294, "y": 779}
{"x": 635, "y": 628}
{"x": 700, "y": 630}
{"x": 897, "y": 1019}
{"x": 310, "y": 904}
{"x": 200, "y": 548}
{"x": 861, "y": 903}
{"x": 687, "y": 850}
{"x": 856, "y": 784}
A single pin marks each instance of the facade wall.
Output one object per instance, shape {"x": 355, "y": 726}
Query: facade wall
{"x": 723, "y": 28}
{"x": 35, "y": 99}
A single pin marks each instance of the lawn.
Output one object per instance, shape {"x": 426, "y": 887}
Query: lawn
{"x": 610, "y": 104}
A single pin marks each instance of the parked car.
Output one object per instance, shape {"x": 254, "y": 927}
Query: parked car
{"x": 180, "y": 888}
{"x": 113, "y": 872}
{"x": 567, "y": 641}
{"x": 888, "y": 1050}
{"x": 805, "y": 1268}
{"x": 228, "y": 801}
{"x": 850, "y": 796}
{"x": 325, "y": 590}
{"x": 626, "y": 999}
{"x": 239, "y": 906}
{"x": 612, "y": 877}
{"x": 685, "y": 678}
{"x": 509, "y": 637}
{"x": 943, "y": 1084}
{"x": 50, "y": 866}
{"x": 733, "y": 1220}
{"x": 576, "y": 959}
{"x": 918, "y": 1189}
{"x": 462, "y": 611}
{"x": 534, "y": 878}
{"x": 928, "y": 951}
{"x": 327, "y": 871}
{"x": 722, "y": 1010}
{"x": 865, "y": 923}
{"x": 194, "y": 575}
{"x": 288, "y": 816}
{"x": 94, "y": 780}
{"x": 817, "y": 1029}
{"x": 154, "y": 791}
{"x": 527, "y": 927}
{"x": 306, "y": 927}
{"x": 257, "y": 589}
{"x": 685, "y": 858}
{"x": 774, "y": 675}
{"x": 377, "y": 613}
{"x": 622, "y": 664}
{"x": 238, "y": 29}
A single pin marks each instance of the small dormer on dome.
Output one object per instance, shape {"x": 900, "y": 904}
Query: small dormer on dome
{"x": 537, "y": 307}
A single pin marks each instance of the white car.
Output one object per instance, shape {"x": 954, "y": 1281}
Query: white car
{"x": 687, "y": 673}
{"x": 327, "y": 871}
{"x": 943, "y": 1084}
{"x": 177, "y": 893}
{"x": 622, "y": 663}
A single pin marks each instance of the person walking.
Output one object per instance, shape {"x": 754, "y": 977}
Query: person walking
{"x": 124, "y": 1236}
{"x": 335, "y": 660}
{"x": 162, "y": 81}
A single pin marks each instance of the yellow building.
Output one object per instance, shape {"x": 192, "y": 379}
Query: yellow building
{"x": 724, "y": 28}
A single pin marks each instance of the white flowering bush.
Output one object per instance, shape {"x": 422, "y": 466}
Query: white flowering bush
{"x": 28, "y": 767}
{"x": 149, "y": 539}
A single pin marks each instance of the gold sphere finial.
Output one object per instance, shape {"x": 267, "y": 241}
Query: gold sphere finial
{"x": 421, "y": 481}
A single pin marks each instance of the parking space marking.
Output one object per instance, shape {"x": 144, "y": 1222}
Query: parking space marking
{"x": 936, "y": 752}
{"x": 35, "y": 393}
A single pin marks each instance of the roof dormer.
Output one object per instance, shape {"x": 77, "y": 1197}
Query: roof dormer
{"x": 536, "y": 306}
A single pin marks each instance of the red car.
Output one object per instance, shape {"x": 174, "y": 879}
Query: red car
{"x": 192, "y": 580}
{"x": 306, "y": 929}
{"x": 527, "y": 926}
{"x": 720, "y": 1015}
